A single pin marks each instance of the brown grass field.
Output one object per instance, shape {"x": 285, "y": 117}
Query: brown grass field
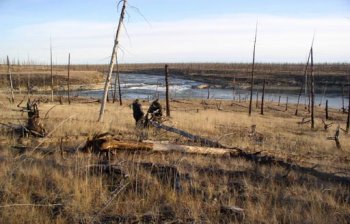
{"x": 49, "y": 181}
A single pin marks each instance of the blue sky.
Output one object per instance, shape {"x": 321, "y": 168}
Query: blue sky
{"x": 176, "y": 30}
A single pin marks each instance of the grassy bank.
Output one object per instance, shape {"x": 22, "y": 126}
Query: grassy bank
{"x": 46, "y": 186}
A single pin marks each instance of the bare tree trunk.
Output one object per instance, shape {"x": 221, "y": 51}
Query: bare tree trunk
{"x": 19, "y": 84}
{"x": 113, "y": 57}
{"x": 115, "y": 88}
{"x": 262, "y": 98}
{"x": 234, "y": 88}
{"x": 304, "y": 83}
{"x": 279, "y": 100}
{"x": 348, "y": 122}
{"x": 252, "y": 79}
{"x": 286, "y": 104}
{"x": 327, "y": 117}
{"x": 257, "y": 99}
{"x": 208, "y": 96}
{"x": 343, "y": 95}
{"x": 167, "y": 91}
{"x": 51, "y": 70}
{"x": 68, "y": 81}
{"x": 28, "y": 84}
{"x": 119, "y": 86}
{"x": 324, "y": 93}
{"x": 312, "y": 91}
{"x": 10, "y": 78}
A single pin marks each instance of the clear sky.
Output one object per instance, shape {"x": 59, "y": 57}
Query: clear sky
{"x": 176, "y": 30}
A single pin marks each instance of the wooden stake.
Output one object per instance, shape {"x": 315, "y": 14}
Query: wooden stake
{"x": 257, "y": 99}
{"x": 10, "y": 78}
{"x": 19, "y": 84}
{"x": 262, "y": 99}
{"x": 348, "y": 122}
{"x": 167, "y": 91}
{"x": 252, "y": 79}
{"x": 286, "y": 104}
{"x": 51, "y": 70}
{"x": 208, "y": 96}
{"x": 343, "y": 95}
{"x": 312, "y": 91}
{"x": 28, "y": 84}
{"x": 113, "y": 59}
{"x": 324, "y": 93}
{"x": 326, "y": 110}
{"x": 234, "y": 88}
{"x": 68, "y": 81}
{"x": 279, "y": 100}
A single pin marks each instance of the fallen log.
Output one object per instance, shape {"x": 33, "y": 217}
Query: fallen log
{"x": 237, "y": 104}
{"x": 106, "y": 144}
{"x": 275, "y": 109}
{"x": 272, "y": 160}
{"x": 195, "y": 138}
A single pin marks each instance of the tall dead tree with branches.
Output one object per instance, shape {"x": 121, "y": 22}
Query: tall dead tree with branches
{"x": 10, "y": 79}
{"x": 253, "y": 67}
{"x": 111, "y": 65}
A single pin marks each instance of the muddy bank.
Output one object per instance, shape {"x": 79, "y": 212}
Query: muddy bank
{"x": 275, "y": 81}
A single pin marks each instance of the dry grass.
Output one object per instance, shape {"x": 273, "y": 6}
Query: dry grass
{"x": 266, "y": 193}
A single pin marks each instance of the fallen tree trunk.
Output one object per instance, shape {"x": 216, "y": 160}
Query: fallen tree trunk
{"x": 272, "y": 160}
{"x": 108, "y": 145}
{"x": 195, "y": 138}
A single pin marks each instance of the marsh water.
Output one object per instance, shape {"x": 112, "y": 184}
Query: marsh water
{"x": 145, "y": 86}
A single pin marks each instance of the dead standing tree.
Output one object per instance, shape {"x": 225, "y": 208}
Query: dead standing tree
{"x": 167, "y": 91}
{"x": 312, "y": 91}
{"x": 68, "y": 81}
{"x": 262, "y": 98}
{"x": 304, "y": 83}
{"x": 51, "y": 71}
{"x": 348, "y": 121}
{"x": 10, "y": 79}
{"x": 111, "y": 65}
{"x": 117, "y": 82}
{"x": 253, "y": 67}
